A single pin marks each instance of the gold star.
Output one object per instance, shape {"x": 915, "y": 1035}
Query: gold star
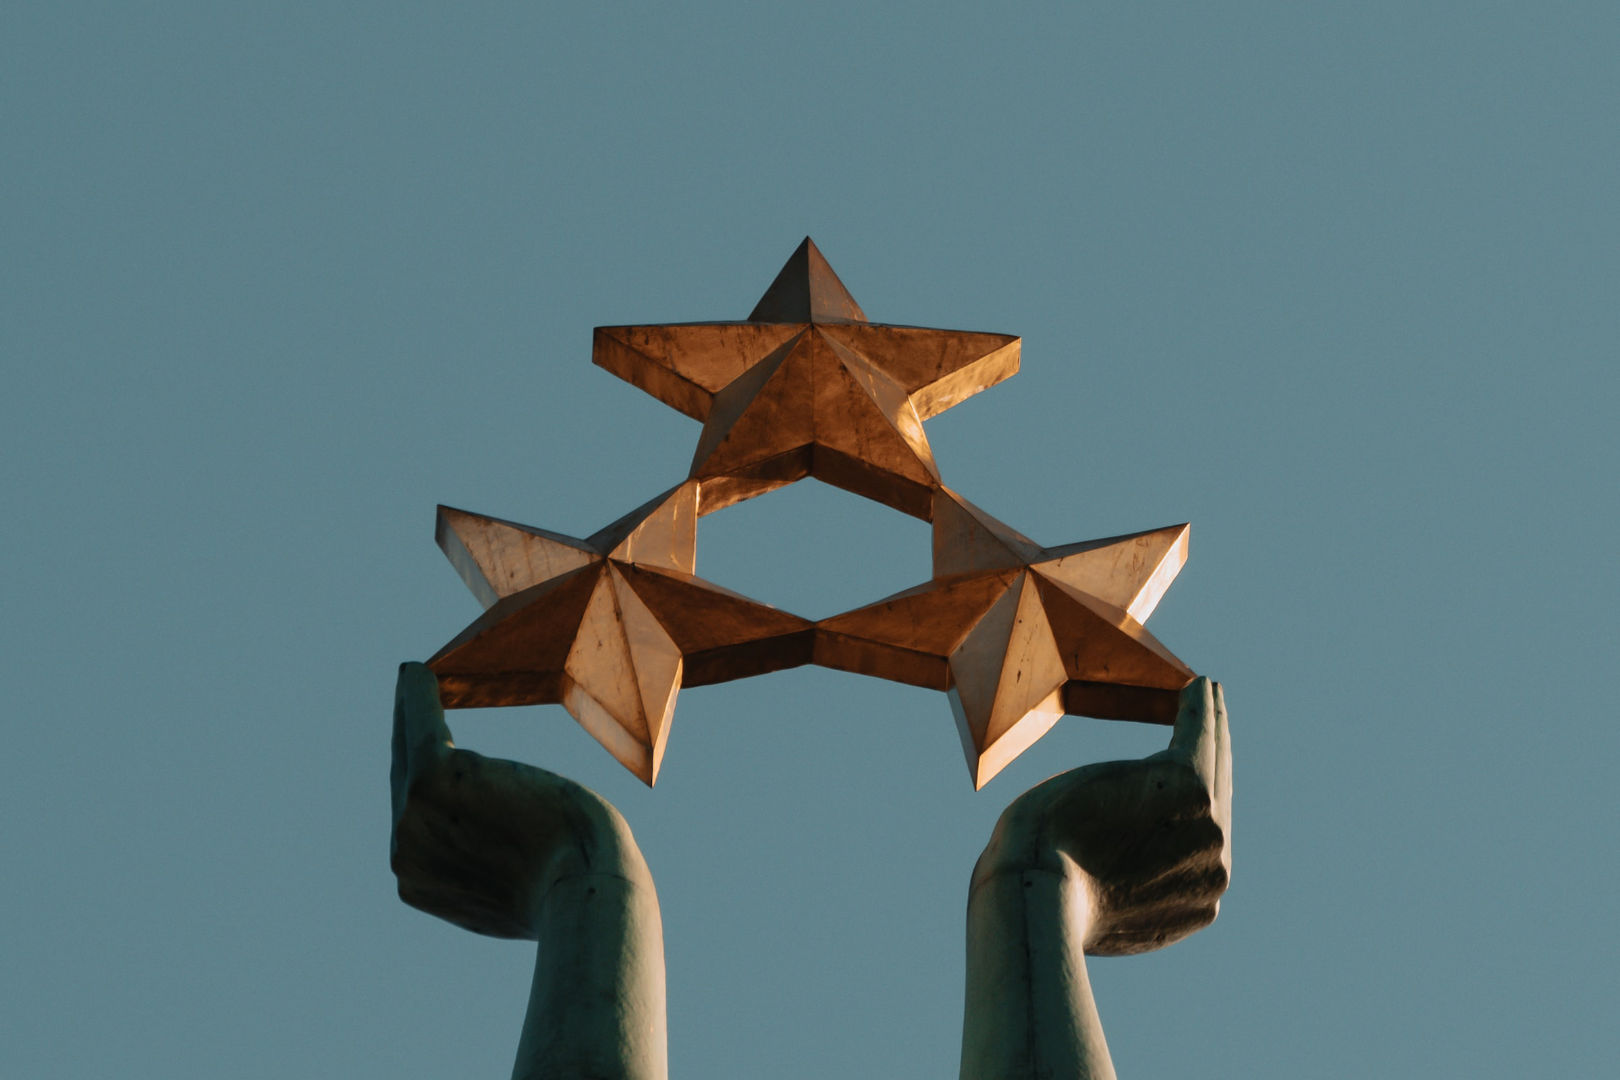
{"x": 807, "y": 387}
{"x": 610, "y": 627}
{"x": 1019, "y": 634}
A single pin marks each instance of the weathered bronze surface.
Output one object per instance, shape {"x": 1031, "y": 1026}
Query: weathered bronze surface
{"x": 808, "y": 387}
{"x": 612, "y": 626}
{"x": 1018, "y": 633}
{"x": 605, "y": 626}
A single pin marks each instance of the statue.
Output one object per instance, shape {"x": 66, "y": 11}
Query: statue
{"x": 1107, "y": 859}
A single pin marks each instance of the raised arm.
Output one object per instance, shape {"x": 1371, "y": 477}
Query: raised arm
{"x": 510, "y": 850}
{"x": 1109, "y": 859}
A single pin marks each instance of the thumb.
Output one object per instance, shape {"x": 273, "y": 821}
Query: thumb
{"x": 421, "y": 736}
{"x": 1197, "y": 735}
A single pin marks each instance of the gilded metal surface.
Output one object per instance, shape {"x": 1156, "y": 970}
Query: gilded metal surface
{"x": 613, "y": 625}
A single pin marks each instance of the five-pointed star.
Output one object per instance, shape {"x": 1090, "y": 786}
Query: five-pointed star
{"x": 610, "y": 627}
{"x": 807, "y": 387}
{"x": 1021, "y": 634}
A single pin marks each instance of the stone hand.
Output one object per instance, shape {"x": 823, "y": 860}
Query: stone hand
{"x": 1151, "y": 839}
{"x": 478, "y": 841}
{"x": 513, "y": 851}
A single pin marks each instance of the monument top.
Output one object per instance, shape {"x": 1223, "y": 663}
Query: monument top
{"x": 613, "y": 625}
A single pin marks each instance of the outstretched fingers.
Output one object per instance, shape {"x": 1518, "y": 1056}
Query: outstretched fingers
{"x": 1202, "y": 739}
{"x": 421, "y": 736}
{"x": 1221, "y": 793}
{"x": 1197, "y": 735}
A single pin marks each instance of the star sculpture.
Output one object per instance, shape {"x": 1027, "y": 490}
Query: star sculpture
{"x": 1020, "y": 634}
{"x": 807, "y": 387}
{"x": 613, "y": 625}
{"x": 609, "y": 627}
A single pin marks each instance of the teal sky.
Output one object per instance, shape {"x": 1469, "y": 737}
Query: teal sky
{"x": 1336, "y": 283}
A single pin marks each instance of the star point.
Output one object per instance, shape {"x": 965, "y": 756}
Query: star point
{"x": 1007, "y": 681}
{"x": 623, "y": 672}
{"x": 806, "y": 290}
{"x": 1130, "y": 572}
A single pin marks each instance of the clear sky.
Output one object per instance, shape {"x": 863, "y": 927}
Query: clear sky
{"x": 1336, "y": 283}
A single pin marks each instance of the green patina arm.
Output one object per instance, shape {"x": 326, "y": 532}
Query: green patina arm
{"x": 1109, "y": 859}
{"x": 510, "y": 850}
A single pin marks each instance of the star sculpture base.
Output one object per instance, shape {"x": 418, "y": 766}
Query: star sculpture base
{"x": 612, "y": 626}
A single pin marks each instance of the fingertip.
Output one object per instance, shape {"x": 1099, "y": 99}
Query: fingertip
{"x": 1223, "y": 734}
{"x": 416, "y": 696}
{"x": 418, "y": 707}
{"x": 1193, "y": 717}
{"x": 417, "y": 677}
{"x": 1196, "y": 694}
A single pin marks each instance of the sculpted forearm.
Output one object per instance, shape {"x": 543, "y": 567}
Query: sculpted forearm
{"x": 1109, "y": 859}
{"x": 596, "y": 1005}
{"x": 510, "y": 850}
{"x": 1029, "y": 1009}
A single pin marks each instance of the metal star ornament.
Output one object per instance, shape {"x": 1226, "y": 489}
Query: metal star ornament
{"x": 1019, "y": 634}
{"x": 808, "y": 387}
{"x": 613, "y": 625}
{"x": 609, "y": 627}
